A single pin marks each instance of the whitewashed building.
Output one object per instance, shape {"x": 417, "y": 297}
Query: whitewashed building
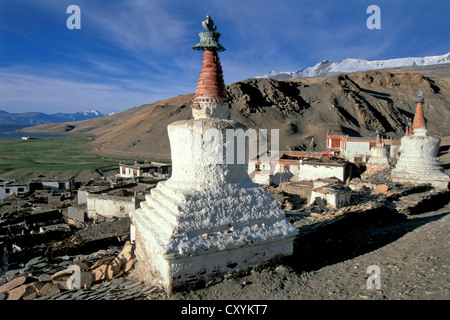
{"x": 140, "y": 169}
{"x": 268, "y": 172}
{"x": 8, "y": 188}
{"x": 354, "y": 149}
{"x": 335, "y": 196}
{"x": 56, "y": 184}
{"x": 109, "y": 205}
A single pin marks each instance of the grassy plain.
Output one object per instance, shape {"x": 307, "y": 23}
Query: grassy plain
{"x": 61, "y": 157}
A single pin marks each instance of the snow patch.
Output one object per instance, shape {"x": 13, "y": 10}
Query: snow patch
{"x": 358, "y": 65}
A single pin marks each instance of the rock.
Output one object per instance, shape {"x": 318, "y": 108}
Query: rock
{"x": 37, "y": 285}
{"x": 316, "y": 215}
{"x": 320, "y": 202}
{"x": 30, "y": 292}
{"x": 102, "y": 262}
{"x": 49, "y": 289}
{"x": 128, "y": 266}
{"x": 11, "y": 273}
{"x": 35, "y": 261}
{"x": 2, "y": 296}
{"x": 315, "y": 210}
{"x": 13, "y": 284}
{"x": 99, "y": 273}
{"x": 116, "y": 266}
{"x": 59, "y": 274}
{"x": 55, "y": 227}
{"x": 60, "y": 279}
{"x": 45, "y": 277}
{"x": 381, "y": 188}
{"x": 17, "y": 293}
{"x": 79, "y": 279}
{"x": 82, "y": 265}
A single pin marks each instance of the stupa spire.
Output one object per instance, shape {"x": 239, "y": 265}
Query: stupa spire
{"x": 419, "y": 123}
{"x": 210, "y": 98}
{"x": 378, "y": 141}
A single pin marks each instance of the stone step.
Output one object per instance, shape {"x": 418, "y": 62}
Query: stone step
{"x": 152, "y": 233}
{"x": 161, "y": 214}
{"x": 162, "y": 205}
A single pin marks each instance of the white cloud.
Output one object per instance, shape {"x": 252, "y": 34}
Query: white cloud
{"x": 23, "y": 91}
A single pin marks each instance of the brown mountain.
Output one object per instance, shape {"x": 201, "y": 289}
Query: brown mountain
{"x": 300, "y": 108}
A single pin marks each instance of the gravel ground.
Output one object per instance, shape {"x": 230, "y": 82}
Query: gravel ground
{"x": 412, "y": 254}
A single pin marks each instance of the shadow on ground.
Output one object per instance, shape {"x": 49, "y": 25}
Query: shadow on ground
{"x": 350, "y": 237}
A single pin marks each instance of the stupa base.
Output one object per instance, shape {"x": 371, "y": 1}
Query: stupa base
{"x": 419, "y": 162}
{"x": 437, "y": 180}
{"x": 375, "y": 167}
{"x": 186, "y": 237}
{"x": 185, "y": 272}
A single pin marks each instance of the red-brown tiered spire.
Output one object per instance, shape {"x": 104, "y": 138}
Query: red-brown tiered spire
{"x": 378, "y": 141}
{"x": 419, "y": 119}
{"x": 210, "y": 86}
{"x": 419, "y": 122}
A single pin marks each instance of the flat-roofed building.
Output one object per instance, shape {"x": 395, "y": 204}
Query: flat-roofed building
{"x": 8, "y": 188}
{"x": 140, "y": 169}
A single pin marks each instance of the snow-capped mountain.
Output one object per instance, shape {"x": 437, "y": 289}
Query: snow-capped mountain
{"x": 91, "y": 113}
{"x": 326, "y": 67}
{"x": 33, "y": 118}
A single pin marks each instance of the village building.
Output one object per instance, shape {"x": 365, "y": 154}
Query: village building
{"x": 354, "y": 149}
{"x": 296, "y": 166}
{"x": 8, "y": 188}
{"x": 419, "y": 162}
{"x": 109, "y": 199}
{"x": 333, "y": 195}
{"x": 141, "y": 169}
{"x": 111, "y": 204}
{"x": 57, "y": 185}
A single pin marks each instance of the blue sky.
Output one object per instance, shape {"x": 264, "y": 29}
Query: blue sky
{"x": 131, "y": 52}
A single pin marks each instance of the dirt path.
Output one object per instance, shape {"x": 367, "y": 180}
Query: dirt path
{"x": 412, "y": 254}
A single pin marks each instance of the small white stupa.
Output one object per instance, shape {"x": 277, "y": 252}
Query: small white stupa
{"x": 209, "y": 218}
{"x": 379, "y": 157}
{"x": 418, "y": 162}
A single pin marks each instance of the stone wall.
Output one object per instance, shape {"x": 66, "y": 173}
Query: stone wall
{"x": 110, "y": 206}
{"x": 314, "y": 171}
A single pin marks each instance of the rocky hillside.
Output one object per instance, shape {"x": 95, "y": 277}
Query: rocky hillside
{"x": 301, "y": 108}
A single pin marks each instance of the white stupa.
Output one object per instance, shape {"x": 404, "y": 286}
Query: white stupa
{"x": 418, "y": 162}
{"x": 209, "y": 219}
{"x": 379, "y": 157}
